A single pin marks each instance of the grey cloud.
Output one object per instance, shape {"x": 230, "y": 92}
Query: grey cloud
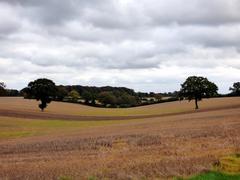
{"x": 9, "y": 22}
{"x": 117, "y": 14}
{"x": 52, "y": 12}
{"x": 221, "y": 36}
{"x": 105, "y": 42}
{"x": 199, "y": 12}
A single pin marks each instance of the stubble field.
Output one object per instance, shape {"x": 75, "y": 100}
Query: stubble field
{"x": 158, "y": 142}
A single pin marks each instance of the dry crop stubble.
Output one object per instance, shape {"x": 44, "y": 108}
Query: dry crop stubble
{"x": 161, "y": 147}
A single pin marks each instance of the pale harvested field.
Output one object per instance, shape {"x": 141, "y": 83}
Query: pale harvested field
{"x": 152, "y": 148}
{"x": 29, "y": 109}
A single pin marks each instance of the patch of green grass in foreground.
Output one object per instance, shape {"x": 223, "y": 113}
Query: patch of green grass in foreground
{"x": 213, "y": 175}
{"x": 17, "y": 128}
{"x": 228, "y": 168}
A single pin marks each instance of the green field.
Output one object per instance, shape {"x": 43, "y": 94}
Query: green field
{"x": 213, "y": 176}
{"x": 16, "y": 127}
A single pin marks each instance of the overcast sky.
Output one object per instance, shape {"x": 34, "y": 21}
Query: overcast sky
{"x": 147, "y": 45}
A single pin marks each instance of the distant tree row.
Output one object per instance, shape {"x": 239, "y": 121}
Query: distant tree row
{"x": 103, "y": 96}
{"x": 8, "y": 92}
{"x": 44, "y": 90}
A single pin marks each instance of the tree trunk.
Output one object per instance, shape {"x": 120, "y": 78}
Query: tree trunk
{"x": 196, "y": 103}
{"x": 43, "y": 105}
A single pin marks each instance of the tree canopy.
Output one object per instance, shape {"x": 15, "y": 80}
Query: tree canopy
{"x": 61, "y": 93}
{"x": 89, "y": 96}
{"x": 197, "y": 88}
{"x": 74, "y": 95}
{"x": 2, "y": 89}
{"x": 107, "y": 98}
{"x": 235, "y": 89}
{"x": 43, "y": 90}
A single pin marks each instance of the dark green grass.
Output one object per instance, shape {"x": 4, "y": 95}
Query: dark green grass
{"x": 213, "y": 176}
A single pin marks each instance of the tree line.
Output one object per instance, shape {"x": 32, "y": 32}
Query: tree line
{"x": 45, "y": 90}
{"x": 106, "y": 96}
{"x": 8, "y": 92}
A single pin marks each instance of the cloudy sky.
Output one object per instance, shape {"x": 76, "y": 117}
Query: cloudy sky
{"x": 148, "y": 45}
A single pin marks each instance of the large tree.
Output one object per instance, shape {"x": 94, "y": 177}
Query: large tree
{"x": 197, "y": 88}
{"x": 235, "y": 89}
{"x": 43, "y": 90}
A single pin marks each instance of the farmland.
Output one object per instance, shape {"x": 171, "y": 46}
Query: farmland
{"x": 20, "y": 105}
{"x": 157, "y": 142}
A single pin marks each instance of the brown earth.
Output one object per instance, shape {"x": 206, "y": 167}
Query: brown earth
{"x": 155, "y": 148}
